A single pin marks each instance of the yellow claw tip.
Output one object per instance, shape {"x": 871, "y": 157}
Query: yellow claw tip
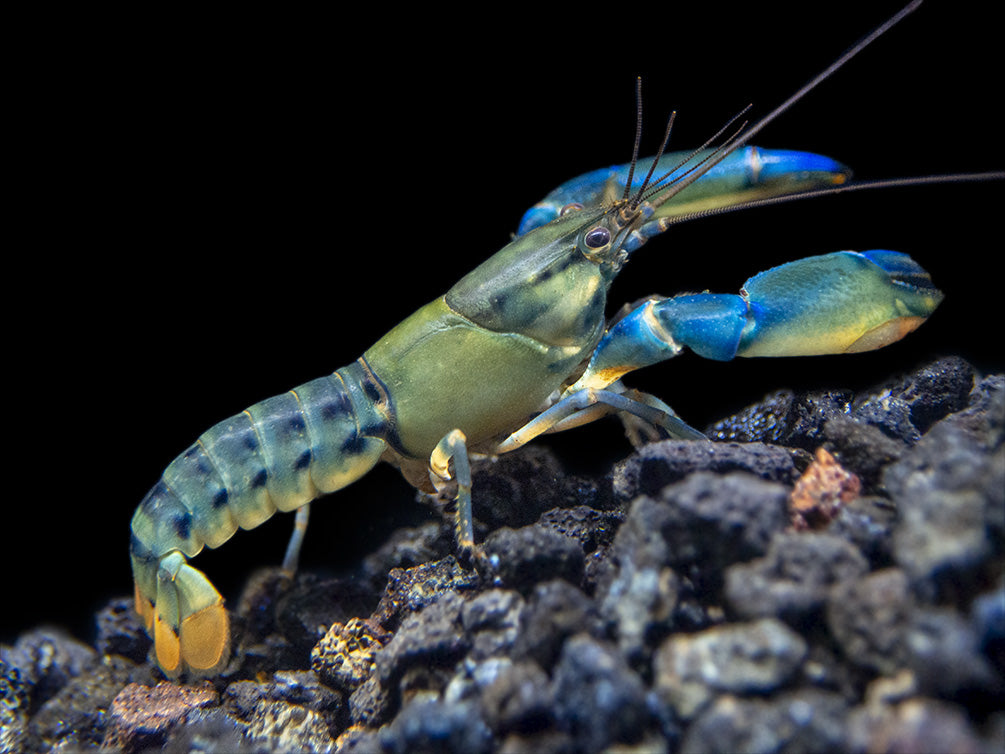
{"x": 889, "y": 332}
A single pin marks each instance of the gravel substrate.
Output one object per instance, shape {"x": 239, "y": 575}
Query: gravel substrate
{"x": 826, "y": 576}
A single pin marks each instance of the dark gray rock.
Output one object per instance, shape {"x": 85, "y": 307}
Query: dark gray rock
{"x": 493, "y": 620}
{"x": 120, "y": 631}
{"x": 13, "y": 709}
{"x": 689, "y": 670}
{"x": 371, "y": 704}
{"x": 639, "y": 597}
{"x": 987, "y": 616}
{"x": 714, "y": 521}
{"x": 305, "y": 714}
{"x": 907, "y": 407}
{"x": 304, "y": 608}
{"x": 409, "y": 590}
{"x": 639, "y": 605}
{"x": 142, "y": 717}
{"x": 76, "y": 715}
{"x": 868, "y": 523}
{"x": 916, "y": 725}
{"x": 542, "y": 742}
{"x": 944, "y": 652}
{"x": 510, "y": 492}
{"x": 46, "y": 660}
{"x": 592, "y": 528}
{"x": 869, "y": 619}
{"x": 984, "y": 416}
{"x": 696, "y": 527}
{"x": 346, "y": 655}
{"x": 210, "y": 730}
{"x": 554, "y": 611}
{"x": 794, "y": 420}
{"x": 950, "y": 494}
{"x": 862, "y": 448}
{"x": 520, "y": 699}
{"x": 793, "y": 580}
{"x": 521, "y": 558}
{"x": 598, "y": 698}
{"x": 406, "y": 548}
{"x": 902, "y": 409}
{"x": 805, "y": 720}
{"x": 654, "y": 466}
{"x": 434, "y": 636}
{"x": 427, "y": 724}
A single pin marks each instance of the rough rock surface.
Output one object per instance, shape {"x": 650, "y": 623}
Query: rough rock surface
{"x": 686, "y": 601}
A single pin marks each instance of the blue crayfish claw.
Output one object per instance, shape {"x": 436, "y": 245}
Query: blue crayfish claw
{"x": 846, "y": 302}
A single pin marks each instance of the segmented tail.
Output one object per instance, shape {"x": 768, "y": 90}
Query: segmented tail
{"x": 277, "y": 455}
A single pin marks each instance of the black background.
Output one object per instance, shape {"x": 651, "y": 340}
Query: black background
{"x": 210, "y": 211}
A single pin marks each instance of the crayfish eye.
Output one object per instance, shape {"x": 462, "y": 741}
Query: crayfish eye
{"x": 597, "y": 238}
{"x": 573, "y": 207}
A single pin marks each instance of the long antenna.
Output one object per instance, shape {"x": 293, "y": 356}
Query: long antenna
{"x": 882, "y": 183}
{"x": 739, "y": 140}
{"x": 638, "y": 137}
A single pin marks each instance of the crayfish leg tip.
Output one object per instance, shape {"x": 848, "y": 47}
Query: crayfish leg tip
{"x": 473, "y": 556}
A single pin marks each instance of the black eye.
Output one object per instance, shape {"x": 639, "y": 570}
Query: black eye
{"x": 574, "y": 207}
{"x": 598, "y": 237}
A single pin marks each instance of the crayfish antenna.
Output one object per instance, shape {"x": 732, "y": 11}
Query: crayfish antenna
{"x": 638, "y": 138}
{"x": 676, "y": 185}
{"x": 880, "y": 183}
{"x": 743, "y": 136}
{"x": 656, "y": 159}
{"x": 650, "y": 187}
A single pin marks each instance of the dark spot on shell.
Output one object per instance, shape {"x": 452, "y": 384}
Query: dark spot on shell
{"x": 260, "y": 478}
{"x": 353, "y": 445}
{"x": 220, "y": 498}
{"x": 303, "y": 461}
{"x": 197, "y": 458}
{"x": 139, "y": 550}
{"x": 334, "y": 409}
{"x": 183, "y": 525}
{"x": 371, "y": 390}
